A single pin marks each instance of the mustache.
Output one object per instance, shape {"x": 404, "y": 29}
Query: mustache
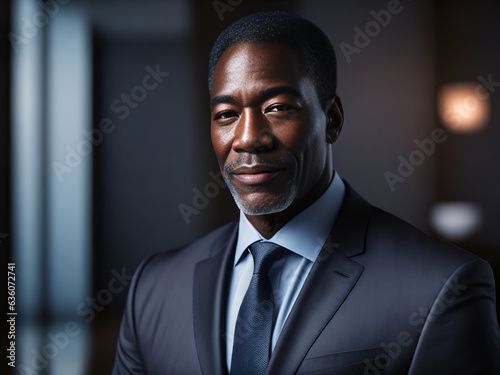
{"x": 253, "y": 159}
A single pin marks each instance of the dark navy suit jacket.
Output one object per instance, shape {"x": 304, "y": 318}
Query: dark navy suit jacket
{"x": 382, "y": 298}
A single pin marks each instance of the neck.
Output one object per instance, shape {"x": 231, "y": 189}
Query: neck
{"x": 268, "y": 225}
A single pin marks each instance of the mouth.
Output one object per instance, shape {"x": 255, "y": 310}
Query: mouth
{"x": 255, "y": 174}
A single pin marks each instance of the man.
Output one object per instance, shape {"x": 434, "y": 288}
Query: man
{"x": 311, "y": 279}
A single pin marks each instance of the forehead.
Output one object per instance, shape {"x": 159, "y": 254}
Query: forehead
{"x": 247, "y": 65}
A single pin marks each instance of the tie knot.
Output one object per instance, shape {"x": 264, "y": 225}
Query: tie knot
{"x": 264, "y": 254}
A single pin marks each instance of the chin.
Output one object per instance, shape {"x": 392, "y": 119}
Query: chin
{"x": 251, "y": 205}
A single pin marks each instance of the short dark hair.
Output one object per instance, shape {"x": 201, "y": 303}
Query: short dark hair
{"x": 280, "y": 27}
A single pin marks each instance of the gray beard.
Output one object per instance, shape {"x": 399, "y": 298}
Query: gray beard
{"x": 284, "y": 200}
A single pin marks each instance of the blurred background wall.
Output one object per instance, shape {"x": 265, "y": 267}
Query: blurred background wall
{"x": 106, "y": 156}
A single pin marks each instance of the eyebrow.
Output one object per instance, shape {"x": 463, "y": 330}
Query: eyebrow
{"x": 222, "y": 99}
{"x": 264, "y": 95}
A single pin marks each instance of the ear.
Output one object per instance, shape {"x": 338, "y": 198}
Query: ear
{"x": 335, "y": 119}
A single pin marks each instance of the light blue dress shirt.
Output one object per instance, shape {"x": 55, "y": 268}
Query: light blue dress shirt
{"x": 304, "y": 237}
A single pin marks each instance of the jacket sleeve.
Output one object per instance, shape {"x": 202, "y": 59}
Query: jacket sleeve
{"x": 461, "y": 334}
{"x": 128, "y": 359}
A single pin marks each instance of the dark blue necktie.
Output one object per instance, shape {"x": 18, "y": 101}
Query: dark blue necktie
{"x": 252, "y": 335}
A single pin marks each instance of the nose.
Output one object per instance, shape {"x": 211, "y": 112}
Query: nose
{"x": 253, "y": 133}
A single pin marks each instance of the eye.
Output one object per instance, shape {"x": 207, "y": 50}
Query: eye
{"x": 280, "y": 108}
{"x": 225, "y": 115}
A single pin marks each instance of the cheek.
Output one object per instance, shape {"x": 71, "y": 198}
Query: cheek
{"x": 302, "y": 139}
{"x": 222, "y": 139}
{"x": 309, "y": 147}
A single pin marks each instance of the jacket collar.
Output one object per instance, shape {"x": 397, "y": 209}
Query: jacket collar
{"x": 331, "y": 279}
{"x": 211, "y": 288}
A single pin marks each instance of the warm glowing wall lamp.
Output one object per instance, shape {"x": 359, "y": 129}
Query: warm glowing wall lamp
{"x": 463, "y": 107}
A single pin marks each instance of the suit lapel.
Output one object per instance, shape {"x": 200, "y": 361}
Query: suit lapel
{"x": 211, "y": 285}
{"x": 330, "y": 281}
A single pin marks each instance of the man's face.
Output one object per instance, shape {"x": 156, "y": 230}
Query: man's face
{"x": 268, "y": 129}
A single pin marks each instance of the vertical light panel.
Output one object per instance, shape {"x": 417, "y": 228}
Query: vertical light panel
{"x": 69, "y": 84}
{"x": 27, "y": 157}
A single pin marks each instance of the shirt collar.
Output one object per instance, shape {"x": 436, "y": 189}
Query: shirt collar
{"x": 306, "y": 233}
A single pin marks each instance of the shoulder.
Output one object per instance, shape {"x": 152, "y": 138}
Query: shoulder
{"x": 402, "y": 245}
{"x": 391, "y": 239}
